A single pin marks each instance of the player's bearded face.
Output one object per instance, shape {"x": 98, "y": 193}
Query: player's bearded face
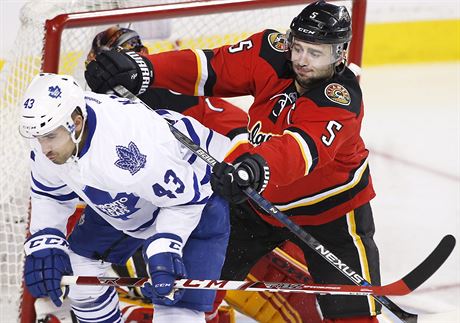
{"x": 57, "y": 145}
{"x": 312, "y": 63}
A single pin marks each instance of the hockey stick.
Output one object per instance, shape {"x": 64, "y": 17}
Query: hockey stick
{"x": 403, "y": 286}
{"x": 440, "y": 254}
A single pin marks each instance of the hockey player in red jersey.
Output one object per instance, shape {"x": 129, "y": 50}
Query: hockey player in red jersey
{"x": 304, "y": 152}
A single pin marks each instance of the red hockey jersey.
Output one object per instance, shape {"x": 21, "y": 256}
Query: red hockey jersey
{"x": 311, "y": 142}
{"x": 215, "y": 113}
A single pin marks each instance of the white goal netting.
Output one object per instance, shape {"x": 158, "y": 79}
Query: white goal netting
{"x": 202, "y": 31}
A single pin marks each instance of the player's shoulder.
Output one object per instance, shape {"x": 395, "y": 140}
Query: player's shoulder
{"x": 273, "y": 50}
{"x": 109, "y": 102}
{"x": 113, "y": 111}
{"x": 342, "y": 91}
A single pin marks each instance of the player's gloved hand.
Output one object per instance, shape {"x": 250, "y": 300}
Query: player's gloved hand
{"x": 46, "y": 262}
{"x": 118, "y": 67}
{"x": 229, "y": 181}
{"x": 163, "y": 255}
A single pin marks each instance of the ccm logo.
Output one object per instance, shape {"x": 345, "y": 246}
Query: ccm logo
{"x": 174, "y": 245}
{"x": 306, "y": 31}
{"x": 49, "y": 241}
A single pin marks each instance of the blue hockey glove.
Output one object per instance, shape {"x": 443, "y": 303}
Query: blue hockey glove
{"x": 229, "y": 181}
{"x": 46, "y": 262}
{"x": 117, "y": 67}
{"x": 163, "y": 255}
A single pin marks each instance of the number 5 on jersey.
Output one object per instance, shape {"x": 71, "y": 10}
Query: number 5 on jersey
{"x": 330, "y": 129}
{"x": 170, "y": 178}
{"x": 242, "y": 45}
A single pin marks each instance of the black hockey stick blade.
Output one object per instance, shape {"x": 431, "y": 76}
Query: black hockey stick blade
{"x": 418, "y": 276}
{"x": 427, "y": 268}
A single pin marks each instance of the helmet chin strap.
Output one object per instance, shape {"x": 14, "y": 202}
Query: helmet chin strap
{"x": 341, "y": 67}
{"x": 77, "y": 141}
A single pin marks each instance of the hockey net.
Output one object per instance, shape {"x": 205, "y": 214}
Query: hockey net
{"x": 62, "y": 46}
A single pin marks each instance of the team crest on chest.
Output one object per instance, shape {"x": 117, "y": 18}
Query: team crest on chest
{"x": 338, "y": 94}
{"x": 130, "y": 158}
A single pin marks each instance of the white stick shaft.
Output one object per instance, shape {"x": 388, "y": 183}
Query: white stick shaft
{"x": 229, "y": 285}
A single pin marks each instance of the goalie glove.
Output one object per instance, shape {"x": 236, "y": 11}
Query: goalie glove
{"x": 163, "y": 255}
{"x": 118, "y": 67}
{"x": 46, "y": 262}
{"x": 230, "y": 181}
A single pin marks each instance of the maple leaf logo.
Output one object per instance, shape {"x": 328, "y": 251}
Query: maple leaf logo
{"x": 131, "y": 158}
{"x": 55, "y": 92}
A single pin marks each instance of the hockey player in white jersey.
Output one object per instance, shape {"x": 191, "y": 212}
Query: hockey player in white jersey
{"x": 123, "y": 161}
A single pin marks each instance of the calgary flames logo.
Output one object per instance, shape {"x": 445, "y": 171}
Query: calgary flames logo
{"x": 256, "y": 136}
{"x": 338, "y": 94}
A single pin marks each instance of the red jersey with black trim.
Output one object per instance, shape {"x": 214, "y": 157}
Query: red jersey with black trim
{"x": 214, "y": 113}
{"x": 318, "y": 162}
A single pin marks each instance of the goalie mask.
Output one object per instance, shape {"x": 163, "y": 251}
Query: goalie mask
{"x": 323, "y": 24}
{"x": 48, "y": 103}
{"x": 114, "y": 37}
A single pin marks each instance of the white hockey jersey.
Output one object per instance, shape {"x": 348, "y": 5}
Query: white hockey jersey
{"x": 132, "y": 171}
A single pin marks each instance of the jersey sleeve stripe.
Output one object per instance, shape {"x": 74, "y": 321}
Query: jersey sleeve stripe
{"x": 357, "y": 177}
{"x": 207, "y": 176}
{"x": 236, "y": 142}
{"x": 209, "y": 138}
{"x": 193, "y": 135}
{"x": 65, "y": 197}
{"x": 307, "y": 147}
{"x": 196, "y": 188}
{"x": 162, "y": 112}
{"x": 236, "y": 132}
{"x": 211, "y": 78}
{"x": 202, "y": 72}
{"x": 43, "y": 187}
{"x": 191, "y": 131}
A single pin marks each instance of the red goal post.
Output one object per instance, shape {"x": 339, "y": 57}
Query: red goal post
{"x": 55, "y": 36}
{"x": 55, "y": 26}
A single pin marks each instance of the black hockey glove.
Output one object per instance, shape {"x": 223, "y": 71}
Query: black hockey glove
{"x": 116, "y": 67}
{"x": 229, "y": 181}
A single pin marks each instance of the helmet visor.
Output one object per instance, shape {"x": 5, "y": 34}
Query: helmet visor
{"x": 56, "y": 138}
{"x": 314, "y": 54}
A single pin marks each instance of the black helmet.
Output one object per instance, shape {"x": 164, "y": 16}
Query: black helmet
{"x": 322, "y": 22}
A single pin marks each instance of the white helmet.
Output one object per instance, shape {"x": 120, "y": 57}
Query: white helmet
{"x": 48, "y": 103}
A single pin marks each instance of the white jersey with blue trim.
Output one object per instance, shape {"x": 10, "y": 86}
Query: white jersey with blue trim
{"x": 131, "y": 170}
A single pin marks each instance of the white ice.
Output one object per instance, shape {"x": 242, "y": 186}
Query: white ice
{"x": 412, "y": 129}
